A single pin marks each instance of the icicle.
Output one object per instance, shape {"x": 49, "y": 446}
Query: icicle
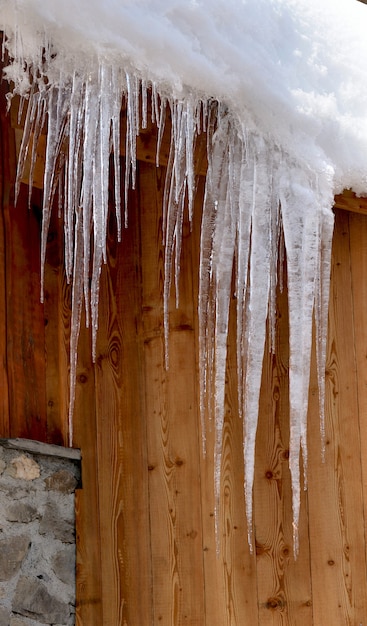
{"x": 222, "y": 265}
{"x": 76, "y": 311}
{"x": 245, "y": 208}
{"x": 144, "y": 104}
{"x": 58, "y": 105}
{"x": 74, "y": 171}
{"x": 24, "y": 146}
{"x": 116, "y": 134}
{"x": 321, "y": 309}
{"x": 132, "y": 108}
{"x": 161, "y": 126}
{"x": 257, "y": 310}
{"x": 89, "y": 153}
{"x": 300, "y": 215}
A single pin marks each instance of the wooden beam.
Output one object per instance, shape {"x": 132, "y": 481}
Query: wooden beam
{"x": 349, "y": 201}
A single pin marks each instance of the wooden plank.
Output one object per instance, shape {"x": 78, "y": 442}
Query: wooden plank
{"x": 230, "y": 574}
{"x": 174, "y": 485}
{"x": 217, "y": 576}
{"x": 236, "y": 565}
{"x": 284, "y": 585}
{"x": 358, "y": 254}
{"x": 89, "y": 609}
{"x": 335, "y": 500}
{"x": 172, "y": 425}
{"x": 57, "y": 334}
{"x": 348, "y": 201}
{"x": 25, "y": 322}
{"x": 121, "y": 451}
{"x": 7, "y": 164}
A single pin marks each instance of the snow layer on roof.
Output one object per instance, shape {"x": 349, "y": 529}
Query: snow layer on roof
{"x": 295, "y": 68}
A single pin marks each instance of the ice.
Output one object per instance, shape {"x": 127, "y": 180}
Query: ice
{"x": 279, "y": 90}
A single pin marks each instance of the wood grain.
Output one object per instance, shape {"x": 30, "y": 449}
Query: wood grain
{"x": 121, "y": 422}
{"x": 89, "y": 597}
{"x": 335, "y": 501}
{"x": 7, "y": 165}
{"x": 349, "y": 201}
{"x": 358, "y": 264}
{"x": 57, "y": 334}
{"x": 172, "y": 426}
{"x": 283, "y": 584}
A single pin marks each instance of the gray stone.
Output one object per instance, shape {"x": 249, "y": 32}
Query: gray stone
{"x": 12, "y": 553}
{"x": 62, "y": 481}
{"x": 19, "y": 494}
{"x": 32, "y": 600}
{"x": 2, "y": 465}
{"x": 21, "y": 512}
{"x": 55, "y": 524}
{"x": 63, "y": 564}
{"x": 4, "y": 616}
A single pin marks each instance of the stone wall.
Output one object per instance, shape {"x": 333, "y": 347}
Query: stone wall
{"x": 37, "y": 533}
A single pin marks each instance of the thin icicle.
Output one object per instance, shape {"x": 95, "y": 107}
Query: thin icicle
{"x": 161, "y": 126}
{"x": 321, "y": 309}
{"x": 300, "y": 215}
{"x": 116, "y": 138}
{"x": 58, "y": 105}
{"x": 222, "y": 266}
{"x": 245, "y": 208}
{"x": 76, "y": 312}
{"x": 257, "y": 310}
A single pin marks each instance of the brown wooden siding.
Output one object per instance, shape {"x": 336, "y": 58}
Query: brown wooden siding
{"x": 145, "y": 515}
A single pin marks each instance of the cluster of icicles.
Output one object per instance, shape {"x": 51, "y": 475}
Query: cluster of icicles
{"x": 257, "y": 203}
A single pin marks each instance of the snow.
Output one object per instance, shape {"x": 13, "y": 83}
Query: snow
{"x": 280, "y": 88}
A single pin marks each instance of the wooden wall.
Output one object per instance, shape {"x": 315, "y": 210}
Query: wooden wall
{"x": 145, "y": 525}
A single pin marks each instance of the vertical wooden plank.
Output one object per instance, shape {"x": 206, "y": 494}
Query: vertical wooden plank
{"x": 25, "y": 322}
{"x": 174, "y": 484}
{"x": 57, "y": 335}
{"x": 284, "y": 585}
{"x": 172, "y": 425}
{"x": 236, "y": 564}
{"x": 121, "y": 437}
{"x": 7, "y": 168}
{"x": 335, "y": 501}
{"x": 230, "y": 575}
{"x": 24, "y": 316}
{"x": 89, "y": 600}
{"x": 358, "y": 254}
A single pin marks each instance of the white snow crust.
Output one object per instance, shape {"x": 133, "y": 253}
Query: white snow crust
{"x": 279, "y": 86}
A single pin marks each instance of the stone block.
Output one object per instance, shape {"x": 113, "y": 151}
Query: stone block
{"x": 13, "y": 551}
{"x": 62, "y": 481}
{"x": 32, "y": 599}
{"x": 55, "y": 524}
{"x": 23, "y": 467}
{"x": 4, "y": 616}
{"x": 21, "y": 512}
{"x": 63, "y": 565}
